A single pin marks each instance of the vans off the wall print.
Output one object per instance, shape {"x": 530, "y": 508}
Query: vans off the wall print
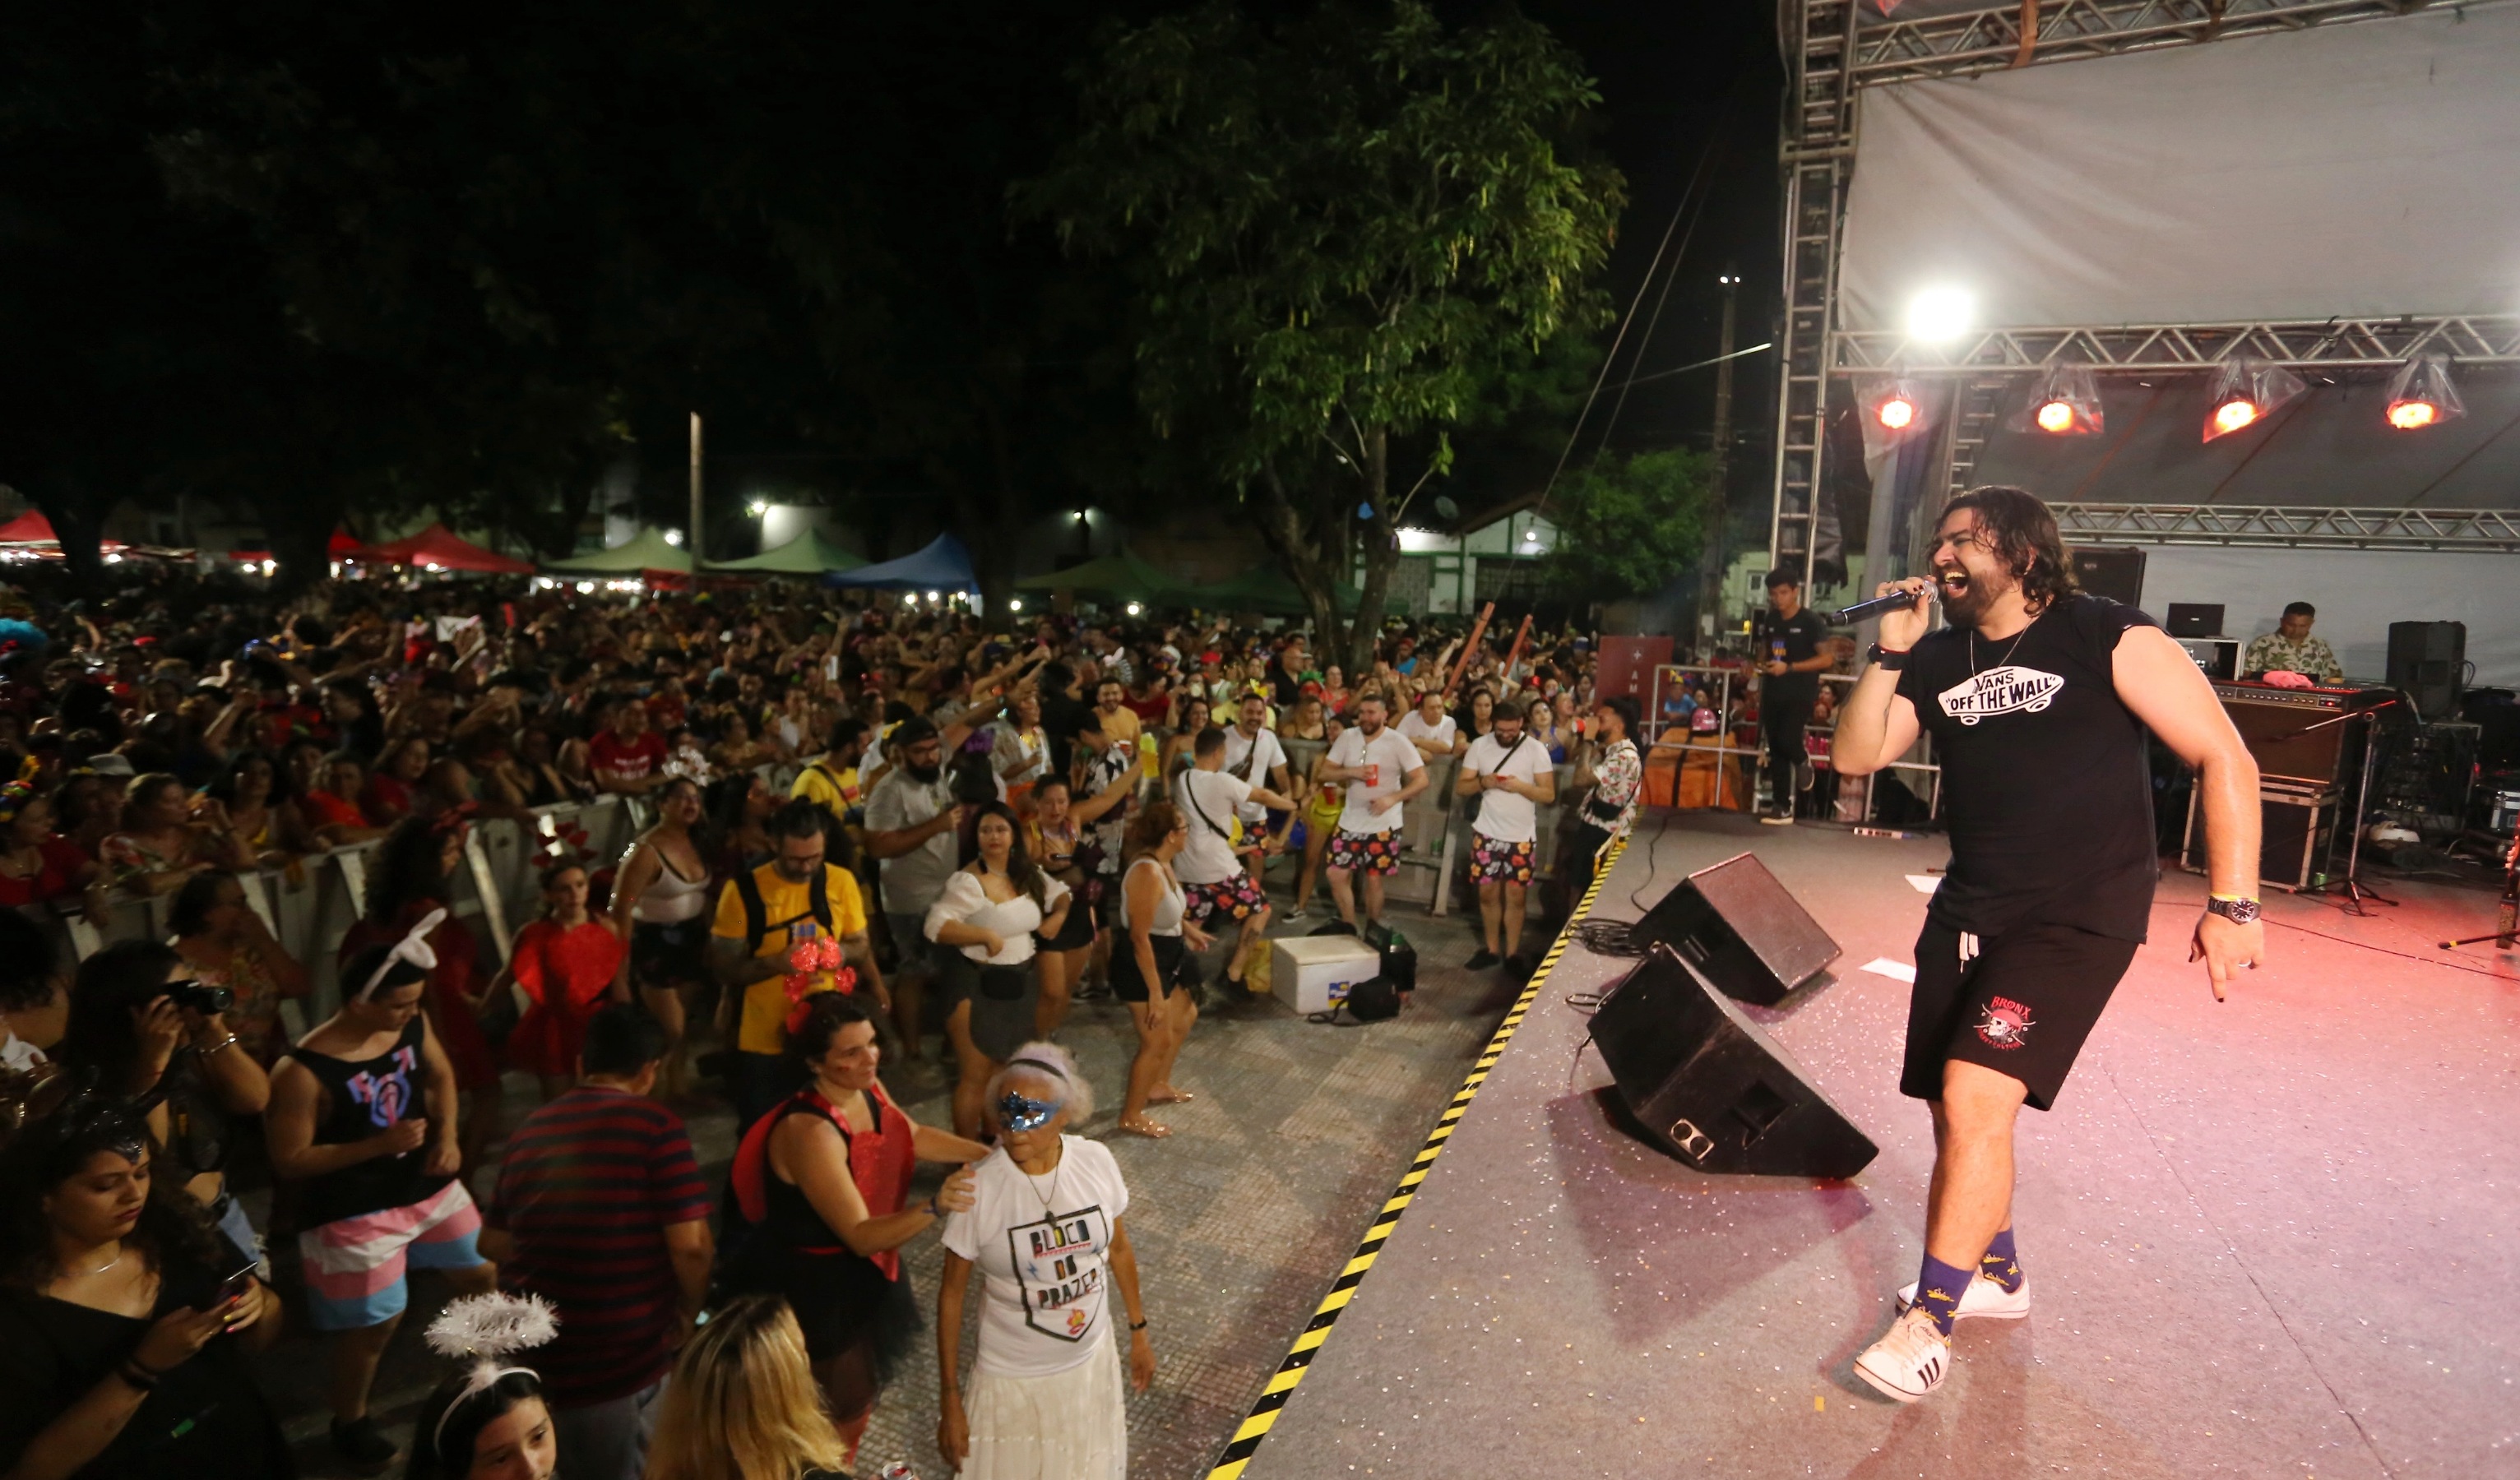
{"x": 2008, "y": 690}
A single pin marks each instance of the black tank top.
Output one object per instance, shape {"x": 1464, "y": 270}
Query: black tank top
{"x": 368, "y": 1095}
{"x": 792, "y": 1222}
{"x": 2045, "y": 782}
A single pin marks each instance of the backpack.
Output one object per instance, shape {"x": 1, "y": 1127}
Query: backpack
{"x": 756, "y": 914}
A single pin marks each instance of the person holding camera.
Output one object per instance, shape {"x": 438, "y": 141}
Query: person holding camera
{"x": 153, "y": 1033}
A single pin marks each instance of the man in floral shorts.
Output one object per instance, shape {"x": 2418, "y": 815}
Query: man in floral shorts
{"x": 1506, "y": 776}
{"x": 1382, "y": 773}
{"x": 1211, "y": 872}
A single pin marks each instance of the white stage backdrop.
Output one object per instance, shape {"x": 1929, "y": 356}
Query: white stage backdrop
{"x": 2353, "y": 169}
{"x": 2358, "y": 593}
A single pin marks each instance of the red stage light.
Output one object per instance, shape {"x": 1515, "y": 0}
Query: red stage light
{"x": 2234, "y": 414}
{"x": 2057, "y": 415}
{"x": 2413, "y": 416}
{"x": 1898, "y": 413}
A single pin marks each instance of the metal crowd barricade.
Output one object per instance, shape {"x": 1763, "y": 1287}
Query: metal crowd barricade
{"x": 311, "y": 905}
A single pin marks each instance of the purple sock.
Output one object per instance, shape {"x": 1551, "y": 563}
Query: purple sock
{"x": 1938, "y": 1292}
{"x": 2001, "y": 1264}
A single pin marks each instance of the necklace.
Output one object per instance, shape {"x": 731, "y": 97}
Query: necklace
{"x": 1047, "y": 1212}
{"x": 101, "y": 1268}
{"x": 2007, "y": 652}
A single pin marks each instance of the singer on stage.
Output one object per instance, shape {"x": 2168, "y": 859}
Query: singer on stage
{"x": 2037, "y": 698}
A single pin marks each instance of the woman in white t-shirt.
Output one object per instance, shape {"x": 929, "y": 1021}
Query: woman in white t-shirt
{"x": 1045, "y": 1231}
{"x": 988, "y": 913}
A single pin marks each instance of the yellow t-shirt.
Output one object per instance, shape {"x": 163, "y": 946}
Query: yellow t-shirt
{"x": 783, "y": 905}
{"x": 814, "y": 785}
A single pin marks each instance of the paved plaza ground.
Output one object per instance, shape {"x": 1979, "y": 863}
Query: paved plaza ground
{"x": 1241, "y": 1219}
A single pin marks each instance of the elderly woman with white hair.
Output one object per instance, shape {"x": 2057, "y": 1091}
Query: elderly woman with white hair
{"x": 1045, "y": 1230}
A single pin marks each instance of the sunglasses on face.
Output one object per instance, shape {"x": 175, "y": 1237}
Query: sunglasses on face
{"x": 1022, "y": 1112}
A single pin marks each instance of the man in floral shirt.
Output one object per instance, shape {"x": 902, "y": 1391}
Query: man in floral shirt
{"x": 1618, "y": 775}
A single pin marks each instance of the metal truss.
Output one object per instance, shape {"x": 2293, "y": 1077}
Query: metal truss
{"x": 1891, "y": 50}
{"x": 2486, "y": 530}
{"x": 1818, "y": 157}
{"x": 2331, "y": 344}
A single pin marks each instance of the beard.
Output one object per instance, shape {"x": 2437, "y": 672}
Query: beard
{"x": 1967, "y": 605}
{"x": 1371, "y": 727}
{"x": 926, "y": 775}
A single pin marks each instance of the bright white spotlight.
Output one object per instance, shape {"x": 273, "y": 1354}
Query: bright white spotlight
{"x": 1940, "y": 315}
{"x": 1133, "y": 608}
{"x": 1015, "y": 604}
{"x": 758, "y": 508}
{"x": 674, "y": 537}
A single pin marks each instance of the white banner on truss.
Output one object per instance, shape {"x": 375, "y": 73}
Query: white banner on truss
{"x": 2372, "y": 168}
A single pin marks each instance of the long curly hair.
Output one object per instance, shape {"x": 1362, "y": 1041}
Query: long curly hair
{"x": 2018, "y": 529}
{"x": 1021, "y": 870}
{"x": 406, "y": 869}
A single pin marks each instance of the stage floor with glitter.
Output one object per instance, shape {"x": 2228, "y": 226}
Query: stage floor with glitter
{"x": 2278, "y": 1235}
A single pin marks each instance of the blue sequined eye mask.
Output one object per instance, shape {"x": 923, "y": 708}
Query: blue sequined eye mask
{"x": 1022, "y": 1112}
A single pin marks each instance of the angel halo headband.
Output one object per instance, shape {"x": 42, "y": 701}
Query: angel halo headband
{"x": 413, "y": 949}
{"x": 481, "y": 1329}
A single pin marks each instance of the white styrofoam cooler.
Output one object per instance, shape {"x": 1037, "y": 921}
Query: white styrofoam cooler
{"x": 1311, "y": 973}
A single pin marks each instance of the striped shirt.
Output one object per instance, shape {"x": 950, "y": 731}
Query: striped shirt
{"x": 588, "y": 1186}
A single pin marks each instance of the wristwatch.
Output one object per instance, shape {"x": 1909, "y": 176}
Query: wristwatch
{"x": 1890, "y": 660}
{"x": 2233, "y": 908}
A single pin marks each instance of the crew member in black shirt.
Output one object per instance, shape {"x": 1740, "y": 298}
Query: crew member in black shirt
{"x": 2038, "y": 700}
{"x": 1789, "y": 640}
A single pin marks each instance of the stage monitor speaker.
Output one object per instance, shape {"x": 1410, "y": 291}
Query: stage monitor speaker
{"x": 2429, "y": 659}
{"x": 1735, "y": 922}
{"x": 1710, "y": 1086}
{"x": 2117, "y": 574}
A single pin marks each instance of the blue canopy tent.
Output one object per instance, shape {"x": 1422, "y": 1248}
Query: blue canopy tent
{"x": 944, "y": 566}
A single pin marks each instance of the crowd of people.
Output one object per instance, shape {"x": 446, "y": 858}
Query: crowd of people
{"x": 869, "y": 833}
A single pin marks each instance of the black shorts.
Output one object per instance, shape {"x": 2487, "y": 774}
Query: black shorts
{"x": 1173, "y": 962}
{"x": 2021, "y": 1008}
{"x": 669, "y": 954}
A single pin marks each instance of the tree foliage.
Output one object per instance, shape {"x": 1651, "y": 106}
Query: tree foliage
{"x": 1346, "y": 236}
{"x": 1632, "y": 526}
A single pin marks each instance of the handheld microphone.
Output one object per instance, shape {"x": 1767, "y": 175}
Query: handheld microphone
{"x": 1896, "y": 600}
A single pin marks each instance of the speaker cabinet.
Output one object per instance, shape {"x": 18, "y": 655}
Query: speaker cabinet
{"x": 1710, "y": 1086}
{"x": 2429, "y": 660}
{"x": 1735, "y": 924}
{"x": 2117, "y": 574}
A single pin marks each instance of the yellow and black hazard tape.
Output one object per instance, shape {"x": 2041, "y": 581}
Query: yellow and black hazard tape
{"x": 1299, "y": 1360}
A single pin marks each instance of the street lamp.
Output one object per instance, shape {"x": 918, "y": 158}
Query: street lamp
{"x": 758, "y": 508}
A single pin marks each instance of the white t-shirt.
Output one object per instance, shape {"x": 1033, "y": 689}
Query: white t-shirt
{"x": 1040, "y": 1243}
{"x": 1508, "y": 817}
{"x": 912, "y": 881}
{"x": 1413, "y": 725}
{"x": 1266, "y": 756}
{"x": 965, "y": 902}
{"x": 1396, "y": 757}
{"x": 1206, "y": 797}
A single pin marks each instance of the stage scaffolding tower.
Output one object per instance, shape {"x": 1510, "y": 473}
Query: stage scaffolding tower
{"x": 1837, "y": 48}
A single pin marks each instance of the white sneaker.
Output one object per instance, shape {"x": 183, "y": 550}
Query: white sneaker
{"x": 1984, "y": 1297}
{"x": 1909, "y": 1363}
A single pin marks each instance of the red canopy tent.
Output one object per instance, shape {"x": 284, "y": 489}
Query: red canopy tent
{"x": 343, "y": 547}
{"x": 439, "y": 548}
{"x": 28, "y": 529}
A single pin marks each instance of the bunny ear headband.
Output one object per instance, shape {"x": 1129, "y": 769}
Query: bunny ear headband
{"x": 412, "y": 950}
{"x": 480, "y": 1329}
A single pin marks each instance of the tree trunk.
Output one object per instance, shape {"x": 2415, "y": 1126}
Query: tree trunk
{"x": 1301, "y": 552}
{"x": 1381, "y": 553}
{"x": 78, "y": 529}
{"x": 302, "y": 545}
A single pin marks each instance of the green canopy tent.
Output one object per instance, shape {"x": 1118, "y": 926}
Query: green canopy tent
{"x": 1120, "y": 576}
{"x": 649, "y": 549}
{"x": 808, "y": 553}
{"x": 1267, "y": 589}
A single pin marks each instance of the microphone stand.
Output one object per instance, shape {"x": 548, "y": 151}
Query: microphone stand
{"x": 2354, "y": 890}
